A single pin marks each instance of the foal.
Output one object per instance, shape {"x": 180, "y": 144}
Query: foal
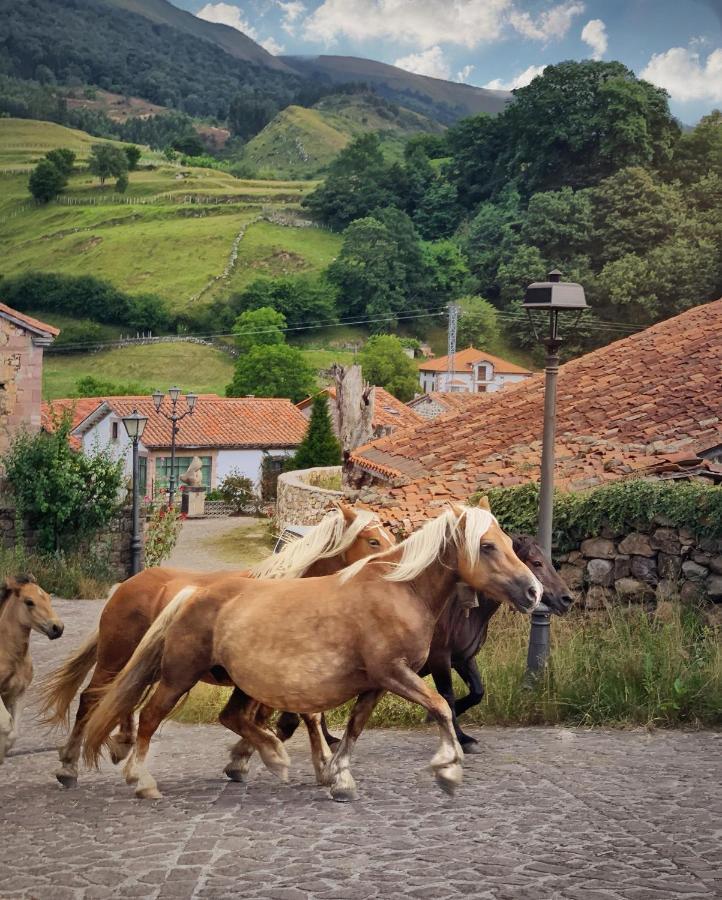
{"x": 312, "y": 644}
{"x": 24, "y": 607}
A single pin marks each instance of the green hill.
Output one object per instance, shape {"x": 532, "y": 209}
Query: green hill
{"x": 303, "y": 141}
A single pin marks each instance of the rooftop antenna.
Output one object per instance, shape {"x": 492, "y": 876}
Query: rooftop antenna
{"x": 451, "y": 353}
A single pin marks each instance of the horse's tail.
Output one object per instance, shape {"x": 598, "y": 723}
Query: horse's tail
{"x": 58, "y": 689}
{"x": 127, "y": 691}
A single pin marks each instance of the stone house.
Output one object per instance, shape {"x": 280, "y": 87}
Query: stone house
{"x": 475, "y": 372}
{"x": 250, "y": 434}
{"x": 22, "y": 342}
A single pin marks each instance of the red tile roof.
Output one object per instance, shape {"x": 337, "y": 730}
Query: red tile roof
{"x": 448, "y": 401}
{"x": 464, "y": 360}
{"x": 621, "y": 410}
{"x": 222, "y": 422}
{"x": 80, "y": 407}
{"x": 32, "y": 324}
{"x": 389, "y": 412}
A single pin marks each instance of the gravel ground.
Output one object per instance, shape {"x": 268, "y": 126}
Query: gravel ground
{"x": 543, "y": 813}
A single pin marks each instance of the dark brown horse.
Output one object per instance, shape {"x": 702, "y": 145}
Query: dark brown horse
{"x": 462, "y": 631}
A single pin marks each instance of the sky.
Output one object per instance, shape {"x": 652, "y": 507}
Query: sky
{"x": 676, "y": 44}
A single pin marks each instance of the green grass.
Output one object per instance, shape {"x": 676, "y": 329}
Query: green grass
{"x": 249, "y": 543}
{"x": 24, "y": 141}
{"x": 72, "y": 576}
{"x": 625, "y": 666}
{"x": 324, "y": 359}
{"x": 190, "y": 366}
{"x": 438, "y": 340}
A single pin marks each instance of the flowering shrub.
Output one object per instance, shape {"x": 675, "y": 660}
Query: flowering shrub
{"x": 161, "y": 536}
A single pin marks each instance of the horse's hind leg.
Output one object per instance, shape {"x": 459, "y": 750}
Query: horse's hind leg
{"x": 338, "y": 771}
{"x": 446, "y": 763}
{"x": 161, "y": 702}
{"x": 6, "y": 724}
{"x": 239, "y": 715}
{"x": 469, "y": 671}
{"x": 69, "y": 753}
{"x": 243, "y": 750}
{"x": 120, "y": 744}
{"x": 320, "y": 751}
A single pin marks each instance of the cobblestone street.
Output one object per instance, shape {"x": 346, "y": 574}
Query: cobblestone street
{"x": 543, "y": 813}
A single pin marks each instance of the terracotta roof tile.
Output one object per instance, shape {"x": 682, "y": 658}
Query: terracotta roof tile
{"x": 464, "y": 359}
{"x": 389, "y": 412}
{"x": 620, "y": 410}
{"x": 33, "y": 324}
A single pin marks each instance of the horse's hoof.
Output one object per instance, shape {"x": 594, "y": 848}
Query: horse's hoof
{"x": 119, "y": 752}
{"x": 449, "y": 778}
{"x": 148, "y": 793}
{"x": 471, "y": 747}
{"x": 344, "y": 795}
{"x": 67, "y": 781}
{"x": 237, "y": 775}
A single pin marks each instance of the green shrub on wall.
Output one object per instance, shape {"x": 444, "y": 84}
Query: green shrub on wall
{"x": 622, "y": 506}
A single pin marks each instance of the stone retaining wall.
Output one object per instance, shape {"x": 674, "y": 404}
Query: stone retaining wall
{"x": 299, "y": 501}
{"x": 658, "y": 563}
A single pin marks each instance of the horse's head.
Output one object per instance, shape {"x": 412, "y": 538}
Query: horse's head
{"x": 556, "y": 593}
{"x": 32, "y": 605}
{"x": 487, "y": 561}
{"x": 373, "y": 537}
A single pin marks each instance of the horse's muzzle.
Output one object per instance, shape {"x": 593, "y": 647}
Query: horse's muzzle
{"x": 54, "y": 630}
{"x": 528, "y": 596}
{"x": 559, "y": 605}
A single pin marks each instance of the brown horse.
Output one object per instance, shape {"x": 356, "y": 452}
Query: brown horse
{"x": 344, "y": 536}
{"x": 310, "y": 645}
{"x": 24, "y": 607}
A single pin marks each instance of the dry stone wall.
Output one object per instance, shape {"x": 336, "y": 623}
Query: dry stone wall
{"x": 301, "y": 502}
{"x": 660, "y": 563}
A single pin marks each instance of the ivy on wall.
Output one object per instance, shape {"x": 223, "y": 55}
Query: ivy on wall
{"x": 622, "y": 507}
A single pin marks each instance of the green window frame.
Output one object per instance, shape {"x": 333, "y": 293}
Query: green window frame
{"x": 162, "y": 471}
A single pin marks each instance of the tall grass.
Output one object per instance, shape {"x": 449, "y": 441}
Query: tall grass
{"x": 76, "y": 575}
{"x": 622, "y": 666}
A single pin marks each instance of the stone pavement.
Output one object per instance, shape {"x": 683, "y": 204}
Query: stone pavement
{"x": 544, "y": 814}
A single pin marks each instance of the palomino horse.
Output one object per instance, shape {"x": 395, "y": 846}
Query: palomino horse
{"x": 24, "y": 607}
{"x": 462, "y": 630}
{"x": 312, "y": 644}
{"x": 344, "y": 536}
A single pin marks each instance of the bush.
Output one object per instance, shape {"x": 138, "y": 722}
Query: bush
{"x": 62, "y": 494}
{"x": 72, "y": 575}
{"x": 46, "y": 181}
{"x": 63, "y": 160}
{"x": 89, "y": 386}
{"x": 238, "y": 491}
{"x": 161, "y": 535}
{"x": 82, "y": 332}
{"x": 623, "y": 506}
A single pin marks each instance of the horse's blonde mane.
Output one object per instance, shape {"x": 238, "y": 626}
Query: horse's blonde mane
{"x": 329, "y": 538}
{"x": 426, "y": 544}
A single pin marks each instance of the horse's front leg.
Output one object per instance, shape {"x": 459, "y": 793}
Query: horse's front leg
{"x": 446, "y": 763}
{"x": 247, "y": 717}
{"x": 243, "y": 750}
{"x": 15, "y": 708}
{"x": 337, "y": 773}
{"x": 441, "y": 673}
{"x": 6, "y": 727}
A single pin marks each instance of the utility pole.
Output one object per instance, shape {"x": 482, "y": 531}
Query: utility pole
{"x": 451, "y": 352}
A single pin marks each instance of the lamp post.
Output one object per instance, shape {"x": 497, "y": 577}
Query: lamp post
{"x": 174, "y": 417}
{"x": 134, "y": 426}
{"x": 551, "y": 298}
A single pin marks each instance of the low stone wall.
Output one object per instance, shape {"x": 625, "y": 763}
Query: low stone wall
{"x": 656, "y": 564}
{"x": 111, "y": 546}
{"x": 299, "y": 501}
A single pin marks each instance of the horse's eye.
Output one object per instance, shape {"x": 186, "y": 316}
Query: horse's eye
{"x": 488, "y": 548}
{"x": 29, "y": 604}
{"x": 538, "y": 564}
{"x": 373, "y": 542}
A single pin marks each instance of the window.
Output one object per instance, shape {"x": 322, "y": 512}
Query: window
{"x": 162, "y": 471}
{"x": 114, "y": 431}
{"x": 143, "y": 471}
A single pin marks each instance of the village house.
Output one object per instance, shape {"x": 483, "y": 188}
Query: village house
{"x": 22, "y": 342}
{"x": 648, "y": 404}
{"x": 389, "y": 412}
{"x": 438, "y": 403}
{"x": 475, "y": 372}
{"x": 250, "y": 435}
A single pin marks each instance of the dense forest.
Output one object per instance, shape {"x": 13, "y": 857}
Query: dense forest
{"x": 586, "y": 171}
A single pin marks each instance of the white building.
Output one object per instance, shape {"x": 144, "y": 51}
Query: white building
{"x": 475, "y": 372}
{"x": 249, "y": 434}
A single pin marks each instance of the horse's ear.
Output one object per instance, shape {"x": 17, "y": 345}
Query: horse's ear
{"x": 484, "y": 503}
{"x": 348, "y": 512}
{"x": 457, "y": 509}
{"x": 7, "y": 587}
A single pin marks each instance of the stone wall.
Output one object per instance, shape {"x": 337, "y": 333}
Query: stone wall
{"x": 21, "y": 370}
{"x": 658, "y": 563}
{"x": 299, "y": 501}
{"x": 111, "y": 547}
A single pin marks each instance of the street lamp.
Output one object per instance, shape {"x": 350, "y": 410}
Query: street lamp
{"x": 548, "y": 298}
{"x": 134, "y": 426}
{"x": 174, "y": 417}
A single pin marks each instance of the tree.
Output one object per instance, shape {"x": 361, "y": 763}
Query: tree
{"x": 385, "y": 364}
{"x": 275, "y": 371}
{"x": 46, "y": 182}
{"x": 319, "y": 446}
{"x": 559, "y": 223}
{"x": 133, "y": 155}
{"x": 107, "y": 161}
{"x": 520, "y": 269}
{"x": 259, "y": 327}
{"x": 121, "y": 184}
{"x": 61, "y": 493}
{"x": 249, "y": 113}
{"x": 303, "y": 300}
{"x": 63, "y": 160}
{"x": 478, "y": 323}
{"x": 699, "y": 152}
{"x": 438, "y": 212}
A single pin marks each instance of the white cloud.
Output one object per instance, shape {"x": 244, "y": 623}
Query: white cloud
{"x": 550, "y": 25}
{"x": 464, "y": 74}
{"x": 521, "y": 80}
{"x": 427, "y": 62}
{"x": 686, "y": 75}
{"x": 429, "y": 23}
{"x": 291, "y": 10}
{"x": 272, "y": 46}
{"x": 594, "y": 34}
{"x": 227, "y": 14}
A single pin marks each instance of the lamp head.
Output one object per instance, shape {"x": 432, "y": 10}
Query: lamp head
{"x": 555, "y": 295}
{"x": 135, "y": 425}
{"x": 157, "y": 400}
{"x": 174, "y": 393}
{"x": 191, "y": 399}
